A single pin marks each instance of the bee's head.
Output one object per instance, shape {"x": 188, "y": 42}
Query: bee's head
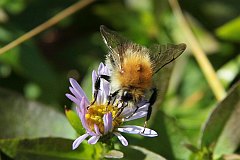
{"x": 126, "y": 96}
{"x": 133, "y": 95}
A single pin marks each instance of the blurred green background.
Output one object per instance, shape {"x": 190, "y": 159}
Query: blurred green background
{"x": 34, "y": 75}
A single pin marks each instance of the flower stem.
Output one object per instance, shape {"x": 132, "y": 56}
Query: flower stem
{"x": 198, "y": 53}
{"x": 52, "y": 21}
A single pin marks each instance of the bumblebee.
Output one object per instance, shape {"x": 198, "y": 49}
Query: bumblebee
{"x": 132, "y": 69}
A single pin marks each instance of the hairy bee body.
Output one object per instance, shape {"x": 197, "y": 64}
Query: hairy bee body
{"x": 135, "y": 73}
{"x": 132, "y": 68}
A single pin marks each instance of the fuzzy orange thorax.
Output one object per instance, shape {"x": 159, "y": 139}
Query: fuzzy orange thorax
{"x": 136, "y": 71}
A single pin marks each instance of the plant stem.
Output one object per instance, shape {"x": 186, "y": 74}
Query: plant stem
{"x": 52, "y": 21}
{"x": 198, "y": 53}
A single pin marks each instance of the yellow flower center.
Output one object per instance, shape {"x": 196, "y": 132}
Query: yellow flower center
{"x": 95, "y": 115}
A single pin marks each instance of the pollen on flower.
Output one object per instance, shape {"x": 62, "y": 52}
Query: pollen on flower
{"x": 114, "y": 113}
{"x": 87, "y": 116}
{"x": 95, "y": 115}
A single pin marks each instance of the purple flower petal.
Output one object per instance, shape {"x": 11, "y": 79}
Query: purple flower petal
{"x": 127, "y": 111}
{"x": 107, "y": 121}
{"x": 100, "y": 69}
{"x": 138, "y": 130}
{"x": 93, "y": 139}
{"x": 144, "y": 107}
{"x": 142, "y": 103}
{"x": 78, "y": 111}
{"x": 97, "y": 130}
{"x": 82, "y": 111}
{"x": 77, "y": 88}
{"x": 83, "y": 105}
{"x": 106, "y": 71}
{"x": 129, "y": 129}
{"x": 106, "y": 91}
{"x": 75, "y": 93}
{"x": 91, "y": 133}
{"x": 149, "y": 133}
{"x": 110, "y": 119}
{"x": 77, "y": 96}
{"x": 79, "y": 140}
{"x": 84, "y": 123}
{"x": 136, "y": 115}
{"x": 121, "y": 138}
{"x": 103, "y": 70}
{"x": 99, "y": 97}
{"x": 72, "y": 98}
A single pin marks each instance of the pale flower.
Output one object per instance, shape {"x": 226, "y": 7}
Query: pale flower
{"x": 100, "y": 119}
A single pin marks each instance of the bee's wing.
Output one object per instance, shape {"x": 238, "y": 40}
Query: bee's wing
{"x": 162, "y": 55}
{"x": 116, "y": 44}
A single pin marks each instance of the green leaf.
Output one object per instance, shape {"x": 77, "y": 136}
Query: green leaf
{"x": 22, "y": 118}
{"x": 230, "y": 31}
{"x": 170, "y": 140}
{"x": 74, "y": 120}
{"x": 137, "y": 152}
{"x": 222, "y": 129}
{"x": 149, "y": 155}
{"x": 47, "y": 149}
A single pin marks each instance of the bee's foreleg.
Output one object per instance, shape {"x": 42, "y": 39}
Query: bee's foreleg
{"x": 112, "y": 95}
{"x": 124, "y": 104}
{"x": 106, "y": 77}
{"x": 97, "y": 87}
{"x": 151, "y": 101}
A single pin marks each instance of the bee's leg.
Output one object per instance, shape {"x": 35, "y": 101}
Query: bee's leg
{"x": 151, "y": 101}
{"x": 114, "y": 100}
{"x": 106, "y": 77}
{"x": 97, "y": 87}
{"x": 114, "y": 94}
{"x": 121, "y": 109}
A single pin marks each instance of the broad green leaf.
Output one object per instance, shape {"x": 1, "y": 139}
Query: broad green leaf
{"x": 22, "y": 118}
{"x": 149, "y": 155}
{"x": 222, "y": 129}
{"x": 47, "y": 149}
{"x": 170, "y": 140}
{"x": 74, "y": 120}
{"x": 137, "y": 152}
{"x": 230, "y": 30}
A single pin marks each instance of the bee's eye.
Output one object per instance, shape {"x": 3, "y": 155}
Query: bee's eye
{"x": 127, "y": 96}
